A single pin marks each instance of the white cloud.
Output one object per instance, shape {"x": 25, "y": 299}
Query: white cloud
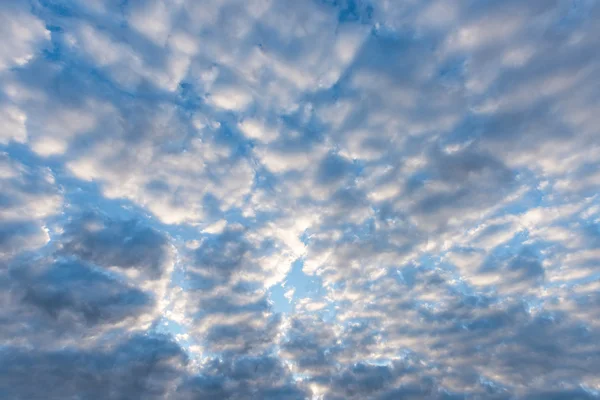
{"x": 23, "y": 34}
{"x": 14, "y": 127}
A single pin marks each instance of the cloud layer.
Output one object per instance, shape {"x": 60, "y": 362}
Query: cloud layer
{"x": 324, "y": 199}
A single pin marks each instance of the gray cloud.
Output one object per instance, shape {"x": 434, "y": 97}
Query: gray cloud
{"x": 140, "y": 366}
{"x": 121, "y": 244}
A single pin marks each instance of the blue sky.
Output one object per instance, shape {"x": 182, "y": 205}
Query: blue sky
{"x": 319, "y": 199}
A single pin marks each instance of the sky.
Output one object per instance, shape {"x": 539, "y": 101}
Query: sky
{"x": 312, "y": 199}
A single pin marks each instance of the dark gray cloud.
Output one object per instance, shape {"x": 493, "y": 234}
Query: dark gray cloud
{"x": 243, "y": 378}
{"x": 114, "y": 243}
{"x": 138, "y": 367}
{"x": 71, "y": 290}
{"x": 223, "y": 255}
{"x": 54, "y": 301}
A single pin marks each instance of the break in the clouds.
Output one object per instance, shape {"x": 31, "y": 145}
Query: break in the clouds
{"x": 318, "y": 199}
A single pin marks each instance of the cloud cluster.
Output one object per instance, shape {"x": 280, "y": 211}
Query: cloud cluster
{"x": 324, "y": 199}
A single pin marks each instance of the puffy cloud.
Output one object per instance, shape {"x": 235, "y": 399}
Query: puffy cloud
{"x": 244, "y": 378}
{"x": 125, "y": 245}
{"x": 23, "y": 35}
{"x": 29, "y": 197}
{"x": 98, "y": 275}
{"x": 150, "y": 367}
{"x": 330, "y": 199}
{"x": 67, "y": 298}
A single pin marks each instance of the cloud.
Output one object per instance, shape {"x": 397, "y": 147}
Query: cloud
{"x": 125, "y": 245}
{"x": 24, "y": 35}
{"x": 245, "y": 378}
{"x": 329, "y": 199}
{"x": 30, "y": 196}
{"x": 68, "y": 294}
{"x": 138, "y": 366}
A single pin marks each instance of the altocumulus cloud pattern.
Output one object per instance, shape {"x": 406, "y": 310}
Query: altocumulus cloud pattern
{"x": 312, "y": 199}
